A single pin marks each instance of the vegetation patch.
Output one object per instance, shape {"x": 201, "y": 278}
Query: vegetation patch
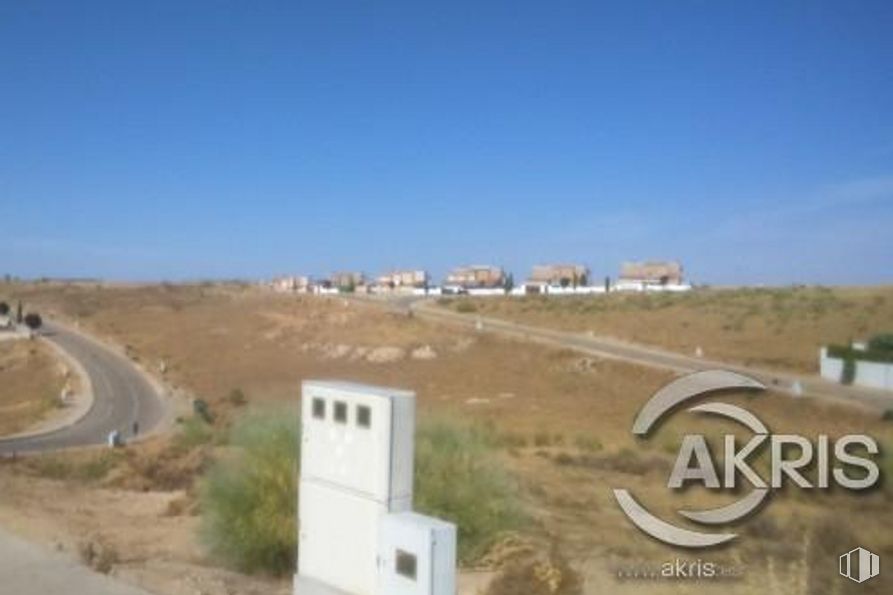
{"x": 459, "y": 478}
{"x": 93, "y": 468}
{"x": 846, "y": 352}
{"x": 248, "y": 498}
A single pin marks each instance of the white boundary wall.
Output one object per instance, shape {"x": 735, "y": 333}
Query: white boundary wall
{"x": 868, "y": 374}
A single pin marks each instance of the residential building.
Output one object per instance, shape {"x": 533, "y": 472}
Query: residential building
{"x": 476, "y": 277}
{"x": 410, "y": 279}
{"x": 291, "y": 284}
{"x": 346, "y": 280}
{"x": 559, "y": 275}
{"x": 651, "y": 273}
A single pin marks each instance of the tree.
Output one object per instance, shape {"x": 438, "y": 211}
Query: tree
{"x": 509, "y": 283}
{"x": 33, "y": 321}
{"x": 19, "y": 313}
{"x": 4, "y": 309}
{"x": 564, "y": 282}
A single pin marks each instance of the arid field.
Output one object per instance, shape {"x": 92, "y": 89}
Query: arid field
{"x": 32, "y": 379}
{"x": 561, "y": 420}
{"x": 779, "y": 328}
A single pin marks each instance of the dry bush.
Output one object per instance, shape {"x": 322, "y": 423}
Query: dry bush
{"x": 624, "y": 461}
{"x": 552, "y": 576}
{"x": 98, "y": 554}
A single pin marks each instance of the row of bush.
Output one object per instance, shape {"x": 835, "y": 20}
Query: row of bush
{"x": 846, "y": 352}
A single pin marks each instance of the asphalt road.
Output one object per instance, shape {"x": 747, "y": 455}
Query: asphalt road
{"x": 812, "y": 386}
{"x": 122, "y": 396}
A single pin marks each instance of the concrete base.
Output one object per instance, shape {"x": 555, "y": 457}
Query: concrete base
{"x": 309, "y": 586}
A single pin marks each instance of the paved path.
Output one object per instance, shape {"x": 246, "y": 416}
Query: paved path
{"x": 27, "y": 569}
{"x": 812, "y": 386}
{"x": 121, "y": 396}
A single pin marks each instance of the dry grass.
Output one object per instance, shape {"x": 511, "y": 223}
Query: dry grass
{"x": 31, "y": 379}
{"x": 779, "y": 328}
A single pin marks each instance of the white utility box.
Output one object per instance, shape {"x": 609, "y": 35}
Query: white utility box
{"x": 357, "y": 534}
{"x": 417, "y": 555}
{"x": 359, "y": 438}
{"x": 337, "y": 531}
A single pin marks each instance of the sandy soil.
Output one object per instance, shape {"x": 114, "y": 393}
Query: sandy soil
{"x": 565, "y": 420}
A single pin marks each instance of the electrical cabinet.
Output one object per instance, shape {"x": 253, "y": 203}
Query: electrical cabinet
{"x": 359, "y": 438}
{"x": 356, "y": 532}
{"x": 416, "y": 555}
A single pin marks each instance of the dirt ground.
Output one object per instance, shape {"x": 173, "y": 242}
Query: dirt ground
{"x": 564, "y": 420}
{"x": 779, "y": 328}
{"x": 31, "y": 381}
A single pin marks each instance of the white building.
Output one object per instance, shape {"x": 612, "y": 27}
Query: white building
{"x": 357, "y": 532}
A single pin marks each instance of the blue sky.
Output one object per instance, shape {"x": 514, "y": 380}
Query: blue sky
{"x": 175, "y": 140}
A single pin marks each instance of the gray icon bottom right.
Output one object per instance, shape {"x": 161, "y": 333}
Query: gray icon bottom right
{"x": 860, "y": 565}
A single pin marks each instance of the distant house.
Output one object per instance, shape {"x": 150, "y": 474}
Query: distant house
{"x": 6, "y": 323}
{"x": 407, "y": 279}
{"x": 292, "y": 284}
{"x": 557, "y": 275}
{"x": 475, "y": 277}
{"x": 347, "y": 281}
{"x": 650, "y": 274}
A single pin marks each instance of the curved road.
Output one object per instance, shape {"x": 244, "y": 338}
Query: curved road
{"x": 121, "y": 396}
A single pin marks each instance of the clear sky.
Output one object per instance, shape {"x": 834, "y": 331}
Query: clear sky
{"x": 753, "y": 141}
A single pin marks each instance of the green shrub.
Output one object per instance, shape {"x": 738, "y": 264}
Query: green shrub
{"x": 248, "y": 499}
{"x": 458, "y": 478}
{"x": 868, "y": 355}
{"x": 92, "y": 469}
{"x": 881, "y": 343}
{"x": 194, "y": 432}
{"x": 201, "y": 408}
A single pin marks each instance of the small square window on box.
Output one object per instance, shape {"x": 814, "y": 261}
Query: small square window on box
{"x": 319, "y": 408}
{"x": 341, "y": 412}
{"x": 407, "y": 565}
{"x": 364, "y": 416}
